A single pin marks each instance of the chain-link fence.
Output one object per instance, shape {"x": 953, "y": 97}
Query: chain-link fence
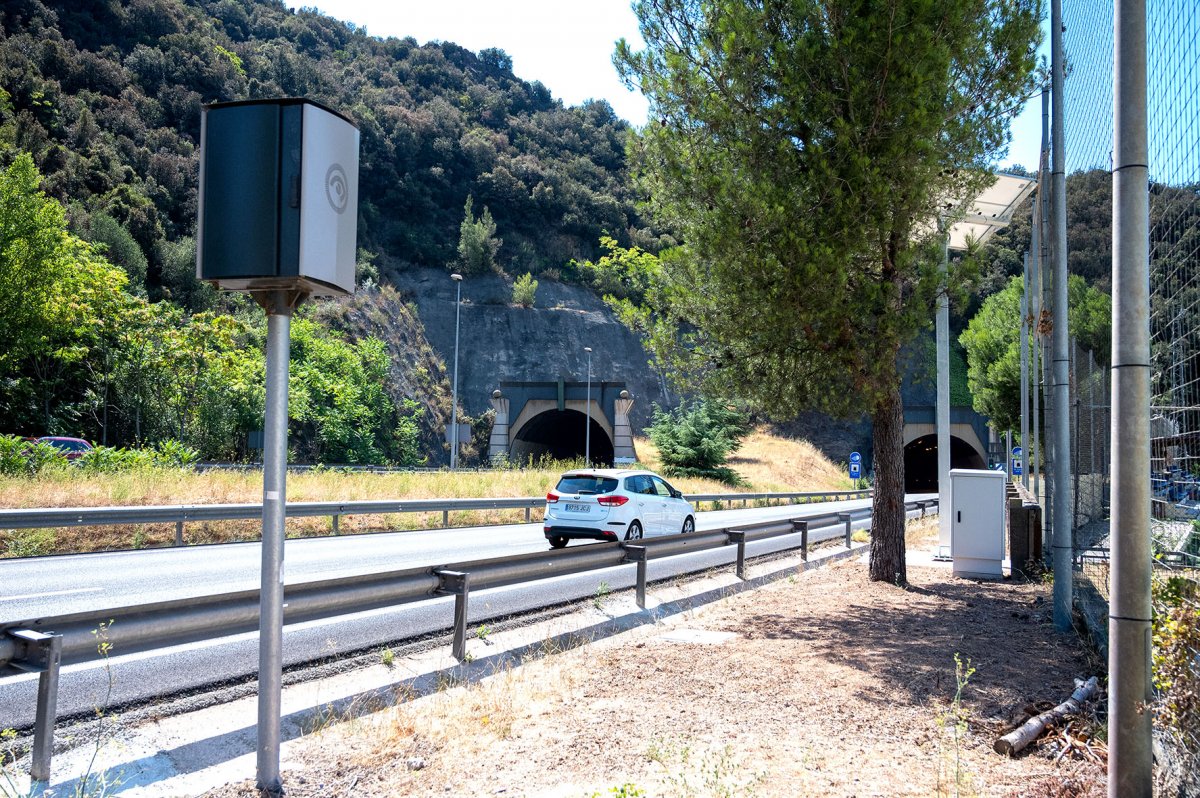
{"x": 1173, "y": 50}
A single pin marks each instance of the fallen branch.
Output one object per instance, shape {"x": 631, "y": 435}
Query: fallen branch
{"x": 1019, "y": 738}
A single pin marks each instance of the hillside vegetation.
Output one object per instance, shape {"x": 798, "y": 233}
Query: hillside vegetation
{"x": 106, "y": 334}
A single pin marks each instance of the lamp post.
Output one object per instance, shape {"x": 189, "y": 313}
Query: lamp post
{"x": 587, "y": 430}
{"x": 457, "y": 278}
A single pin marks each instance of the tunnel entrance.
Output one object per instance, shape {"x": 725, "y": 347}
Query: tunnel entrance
{"x": 921, "y": 467}
{"x": 560, "y": 434}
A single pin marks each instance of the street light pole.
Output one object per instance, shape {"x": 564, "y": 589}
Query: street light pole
{"x": 587, "y": 434}
{"x": 457, "y": 278}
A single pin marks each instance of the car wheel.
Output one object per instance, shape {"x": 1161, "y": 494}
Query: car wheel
{"x": 634, "y": 532}
{"x": 689, "y": 525}
{"x": 558, "y": 542}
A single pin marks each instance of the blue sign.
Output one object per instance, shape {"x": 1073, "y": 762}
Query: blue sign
{"x": 855, "y": 470}
{"x": 856, "y": 458}
{"x": 1017, "y": 462}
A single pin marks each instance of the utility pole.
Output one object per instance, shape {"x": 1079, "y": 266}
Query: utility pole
{"x": 457, "y": 278}
{"x": 1026, "y": 453}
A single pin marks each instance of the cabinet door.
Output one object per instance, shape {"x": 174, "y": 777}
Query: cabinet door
{"x": 977, "y": 526}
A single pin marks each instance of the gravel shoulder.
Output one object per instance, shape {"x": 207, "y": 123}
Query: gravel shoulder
{"x": 817, "y": 684}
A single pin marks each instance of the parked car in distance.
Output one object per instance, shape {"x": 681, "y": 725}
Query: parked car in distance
{"x": 614, "y": 504}
{"x": 73, "y": 448}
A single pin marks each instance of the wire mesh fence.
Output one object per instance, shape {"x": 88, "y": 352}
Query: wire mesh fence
{"x": 1173, "y": 53}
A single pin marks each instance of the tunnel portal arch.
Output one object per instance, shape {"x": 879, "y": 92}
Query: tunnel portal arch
{"x": 921, "y": 466}
{"x": 561, "y": 435}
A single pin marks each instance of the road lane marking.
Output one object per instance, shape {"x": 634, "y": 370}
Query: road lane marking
{"x": 53, "y": 593}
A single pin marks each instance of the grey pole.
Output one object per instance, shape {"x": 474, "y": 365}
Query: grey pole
{"x": 587, "y": 434}
{"x": 943, "y": 398}
{"x": 1008, "y": 453}
{"x": 1025, "y": 451}
{"x": 1047, "y": 440}
{"x": 457, "y": 278}
{"x": 1063, "y": 521}
{"x": 279, "y": 306}
{"x": 1129, "y": 724}
{"x": 1035, "y": 342}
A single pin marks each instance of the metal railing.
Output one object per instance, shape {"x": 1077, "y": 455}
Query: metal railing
{"x": 42, "y": 645}
{"x": 184, "y": 513}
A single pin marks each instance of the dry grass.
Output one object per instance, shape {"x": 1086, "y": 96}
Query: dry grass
{"x": 765, "y": 462}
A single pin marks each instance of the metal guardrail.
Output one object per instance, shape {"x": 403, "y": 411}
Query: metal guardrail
{"x": 42, "y": 645}
{"x": 182, "y": 514}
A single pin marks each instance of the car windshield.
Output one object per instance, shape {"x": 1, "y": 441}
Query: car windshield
{"x": 585, "y": 483}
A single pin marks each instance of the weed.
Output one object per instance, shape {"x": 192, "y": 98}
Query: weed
{"x": 860, "y": 536}
{"x": 955, "y": 718}
{"x": 30, "y": 543}
{"x": 388, "y": 658}
{"x": 714, "y": 773}
{"x": 602, "y": 593}
{"x": 625, "y": 790}
{"x": 483, "y": 632}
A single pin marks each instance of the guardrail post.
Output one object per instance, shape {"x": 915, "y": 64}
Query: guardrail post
{"x": 41, "y": 653}
{"x": 802, "y": 528}
{"x": 445, "y": 518}
{"x": 637, "y": 554}
{"x": 178, "y": 533}
{"x": 528, "y": 515}
{"x": 738, "y": 537}
{"x": 845, "y": 519}
{"x": 457, "y": 583}
{"x": 335, "y": 518}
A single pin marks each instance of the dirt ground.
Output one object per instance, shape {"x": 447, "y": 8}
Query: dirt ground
{"x": 818, "y": 684}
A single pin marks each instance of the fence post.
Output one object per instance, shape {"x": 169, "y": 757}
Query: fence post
{"x": 738, "y": 537}
{"x": 802, "y": 528}
{"x": 637, "y": 554}
{"x": 458, "y": 584}
{"x": 845, "y": 519}
{"x": 41, "y": 653}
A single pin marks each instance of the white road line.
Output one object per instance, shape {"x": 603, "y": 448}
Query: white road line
{"x": 52, "y": 593}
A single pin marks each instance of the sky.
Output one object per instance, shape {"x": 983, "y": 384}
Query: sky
{"x": 565, "y": 44}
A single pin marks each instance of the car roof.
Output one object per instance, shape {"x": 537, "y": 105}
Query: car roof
{"x": 606, "y": 472}
{"x": 61, "y": 438}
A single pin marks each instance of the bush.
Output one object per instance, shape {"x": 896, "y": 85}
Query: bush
{"x": 524, "y": 290}
{"x": 695, "y": 439}
{"x": 22, "y": 458}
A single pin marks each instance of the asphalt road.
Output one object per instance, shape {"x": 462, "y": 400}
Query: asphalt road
{"x": 47, "y": 586}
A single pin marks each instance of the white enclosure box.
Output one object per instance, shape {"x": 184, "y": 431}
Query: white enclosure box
{"x": 977, "y": 511}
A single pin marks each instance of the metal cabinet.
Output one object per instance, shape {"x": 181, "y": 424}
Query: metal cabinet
{"x": 977, "y": 513}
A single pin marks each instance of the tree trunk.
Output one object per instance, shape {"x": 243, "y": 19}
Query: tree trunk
{"x": 888, "y": 517}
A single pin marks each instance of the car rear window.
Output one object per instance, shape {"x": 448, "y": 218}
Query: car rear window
{"x": 68, "y": 446}
{"x": 586, "y": 483}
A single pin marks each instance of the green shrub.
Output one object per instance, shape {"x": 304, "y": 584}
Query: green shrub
{"x": 173, "y": 454}
{"x": 22, "y": 458}
{"x": 524, "y": 290}
{"x": 30, "y": 542}
{"x": 108, "y": 460}
{"x": 695, "y": 439}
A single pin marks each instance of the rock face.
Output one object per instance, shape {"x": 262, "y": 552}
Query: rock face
{"x": 499, "y": 341}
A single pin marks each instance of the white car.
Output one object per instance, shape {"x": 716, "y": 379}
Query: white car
{"x": 614, "y": 504}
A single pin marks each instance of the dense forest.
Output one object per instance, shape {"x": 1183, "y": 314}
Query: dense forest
{"x": 106, "y": 332}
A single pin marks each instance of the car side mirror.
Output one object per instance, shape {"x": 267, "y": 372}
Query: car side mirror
{"x": 676, "y": 494}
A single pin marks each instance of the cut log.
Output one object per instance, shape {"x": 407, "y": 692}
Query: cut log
{"x": 1019, "y": 738}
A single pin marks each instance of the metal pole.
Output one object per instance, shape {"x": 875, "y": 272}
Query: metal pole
{"x": 1061, "y": 376}
{"x": 943, "y": 398}
{"x": 587, "y": 433}
{"x": 457, "y": 278}
{"x": 1129, "y": 723}
{"x": 279, "y": 306}
{"x": 1035, "y": 343}
{"x": 1008, "y": 453}
{"x": 1025, "y": 450}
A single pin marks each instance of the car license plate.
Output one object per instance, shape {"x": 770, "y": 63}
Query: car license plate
{"x": 579, "y": 508}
